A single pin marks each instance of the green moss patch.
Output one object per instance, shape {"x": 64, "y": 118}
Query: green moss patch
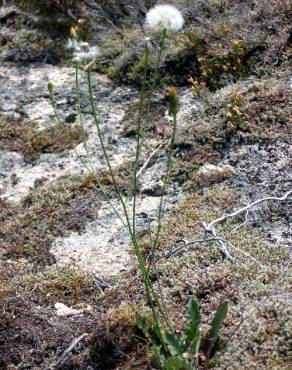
{"x": 27, "y": 139}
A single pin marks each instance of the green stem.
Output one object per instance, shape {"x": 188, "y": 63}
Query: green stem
{"x": 155, "y": 78}
{"x": 164, "y": 188}
{"x": 91, "y": 168}
{"x": 139, "y": 137}
{"x": 97, "y": 124}
{"x": 152, "y": 296}
{"x": 80, "y": 112}
{"x": 56, "y": 113}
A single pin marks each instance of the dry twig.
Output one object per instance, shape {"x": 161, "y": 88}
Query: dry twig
{"x": 210, "y": 229}
{"x": 244, "y": 209}
{"x": 145, "y": 165}
{"x": 68, "y": 351}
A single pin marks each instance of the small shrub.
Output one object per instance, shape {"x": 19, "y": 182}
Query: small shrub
{"x": 213, "y": 63}
{"x": 49, "y": 7}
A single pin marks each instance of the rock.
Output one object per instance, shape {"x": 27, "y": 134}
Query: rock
{"x": 71, "y": 118}
{"x": 63, "y": 310}
{"x": 3, "y": 40}
{"x": 209, "y": 169}
{"x": 8, "y": 12}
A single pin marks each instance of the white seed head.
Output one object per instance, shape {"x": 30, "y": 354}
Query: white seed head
{"x": 164, "y": 17}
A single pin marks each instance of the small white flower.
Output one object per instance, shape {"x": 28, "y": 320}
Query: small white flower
{"x": 87, "y": 55}
{"x": 81, "y": 45}
{"x": 164, "y": 17}
{"x": 82, "y": 51}
{"x": 71, "y": 44}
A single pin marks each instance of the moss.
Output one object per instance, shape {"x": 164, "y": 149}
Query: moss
{"x": 123, "y": 175}
{"x": 156, "y": 115}
{"x": 27, "y": 139}
{"x": 118, "y": 340}
{"x": 261, "y": 117}
{"x": 46, "y": 7}
{"x": 32, "y": 336}
{"x": 200, "y": 270}
{"x": 212, "y": 175}
{"x": 29, "y": 45}
{"x": 119, "y": 55}
{"x": 58, "y": 284}
{"x": 47, "y": 212}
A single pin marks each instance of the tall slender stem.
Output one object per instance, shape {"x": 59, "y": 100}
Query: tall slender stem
{"x": 155, "y": 77}
{"x": 164, "y": 188}
{"x": 152, "y": 296}
{"x": 97, "y": 124}
{"x": 91, "y": 168}
{"x": 139, "y": 128}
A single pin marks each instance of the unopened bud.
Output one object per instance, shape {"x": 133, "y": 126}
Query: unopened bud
{"x": 173, "y": 101}
{"x": 50, "y": 87}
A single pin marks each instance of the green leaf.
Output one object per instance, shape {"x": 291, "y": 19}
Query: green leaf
{"x": 219, "y": 317}
{"x": 193, "y": 326}
{"x": 195, "y": 344}
{"x": 194, "y": 310}
{"x": 175, "y": 363}
{"x": 173, "y": 343}
{"x": 144, "y": 325}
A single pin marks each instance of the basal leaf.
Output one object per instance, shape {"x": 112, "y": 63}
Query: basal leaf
{"x": 173, "y": 343}
{"x": 175, "y": 363}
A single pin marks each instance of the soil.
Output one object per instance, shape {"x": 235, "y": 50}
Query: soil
{"x": 62, "y": 243}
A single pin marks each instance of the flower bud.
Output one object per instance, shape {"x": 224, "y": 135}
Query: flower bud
{"x": 173, "y": 101}
{"x": 50, "y": 87}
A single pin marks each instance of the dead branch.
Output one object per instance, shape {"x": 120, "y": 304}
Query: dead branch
{"x": 145, "y": 165}
{"x": 242, "y": 252}
{"x": 68, "y": 351}
{"x": 185, "y": 244}
{"x": 210, "y": 229}
{"x": 244, "y": 209}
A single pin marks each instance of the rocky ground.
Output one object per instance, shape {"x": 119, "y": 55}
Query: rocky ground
{"x": 66, "y": 262}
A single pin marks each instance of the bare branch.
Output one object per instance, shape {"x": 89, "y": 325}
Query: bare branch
{"x": 210, "y": 229}
{"x": 185, "y": 244}
{"x": 244, "y": 209}
{"x": 68, "y": 350}
{"x": 242, "y": 252}
{"x": 150, "y": 157}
